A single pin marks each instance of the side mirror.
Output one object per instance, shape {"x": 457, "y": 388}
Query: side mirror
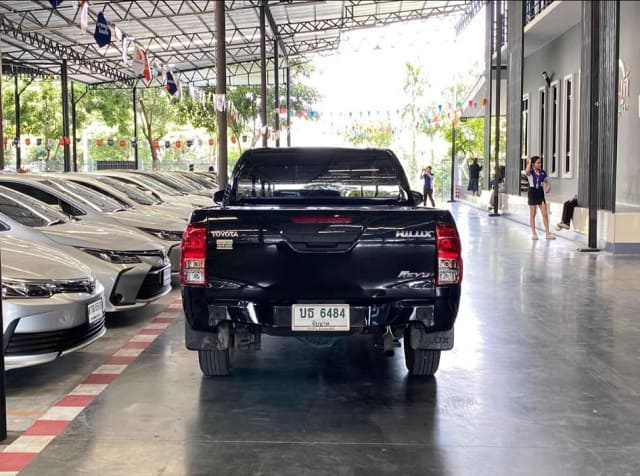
{"x": 418, "y": 198}
{"x": 218, "y": 197}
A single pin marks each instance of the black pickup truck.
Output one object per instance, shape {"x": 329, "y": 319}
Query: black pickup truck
{"x": 320, "y": 243}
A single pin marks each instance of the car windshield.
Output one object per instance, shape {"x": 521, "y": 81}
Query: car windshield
{"x": 151, "y": 184}
{"x": 318, "y": 176}
{"x": 176, "y": 183}
{"x": 198, "y": 179}
{"x": 28, "y": 211}
{"x": 95, "y": 200}
{"x": 130, "y": 191}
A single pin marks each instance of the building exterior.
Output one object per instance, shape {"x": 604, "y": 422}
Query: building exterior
{"x": 571, "y": 99}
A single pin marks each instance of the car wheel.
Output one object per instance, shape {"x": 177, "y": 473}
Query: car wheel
{"x": 420, "y": 362}
{"x": 216, "y": 363}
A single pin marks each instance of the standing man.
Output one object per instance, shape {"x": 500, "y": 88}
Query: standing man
{"x": 474, "y": 177}
{"x": 427, "y": 176}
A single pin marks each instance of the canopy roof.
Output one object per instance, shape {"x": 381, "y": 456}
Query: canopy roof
{"x": 179, "y": 35}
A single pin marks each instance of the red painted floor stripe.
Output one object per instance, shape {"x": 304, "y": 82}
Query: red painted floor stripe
{"x": 117, "y": 360}
{"x": 136, "y": 345}
{"x": 163, "y": 320}
{"x": 152, "y": 332}
{"x": 75, "y": 401}
{"x": 15, "y": 461}
{"x": 100, "y": 378}
{"x": 47, "y": 427}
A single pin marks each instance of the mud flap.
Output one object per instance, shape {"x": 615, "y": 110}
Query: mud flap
{"x": 420, "y": 339}
{"x": 199, "y": 340}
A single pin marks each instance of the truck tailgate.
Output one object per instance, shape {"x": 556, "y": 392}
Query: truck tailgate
{"x": 313, "y": 252}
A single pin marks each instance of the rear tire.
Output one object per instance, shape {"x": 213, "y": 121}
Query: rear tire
{"x": 420, "y": 362}
{"x": 215, "y": 363}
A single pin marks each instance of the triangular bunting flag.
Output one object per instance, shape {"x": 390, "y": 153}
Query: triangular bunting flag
{"x": 102, "y": 35}
{"x": 172, "y": 88}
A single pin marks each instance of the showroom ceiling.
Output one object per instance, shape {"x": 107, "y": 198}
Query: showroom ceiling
{"x": 179, "y": 35}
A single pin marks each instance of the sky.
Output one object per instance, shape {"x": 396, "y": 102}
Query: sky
{"x": 366, "y": 73}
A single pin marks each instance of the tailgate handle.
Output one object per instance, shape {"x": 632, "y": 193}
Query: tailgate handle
{"x": 321, "y": 245}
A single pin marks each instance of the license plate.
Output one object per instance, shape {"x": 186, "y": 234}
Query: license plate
{"x": 166, "y": 276}
{"x": 320, "y": 317}
{"x": 94, "y": 311}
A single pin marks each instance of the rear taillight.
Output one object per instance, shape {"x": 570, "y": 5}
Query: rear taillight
{"x": 194, "y": 254}
{"x": 448, "y": 247}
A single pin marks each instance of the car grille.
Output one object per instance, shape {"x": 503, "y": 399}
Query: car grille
{"x": 152, "y": 284}
{"x": 52, "y": 341}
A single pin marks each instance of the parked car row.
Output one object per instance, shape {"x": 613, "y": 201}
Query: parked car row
{"x": 75, "y": 246}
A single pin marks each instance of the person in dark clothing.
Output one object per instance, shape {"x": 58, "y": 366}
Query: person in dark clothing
{"x": 427, "y": 176}
{"x": 567, "y": 213}
{"x": 190, "y": 167}
{"x": 474, "y": 177}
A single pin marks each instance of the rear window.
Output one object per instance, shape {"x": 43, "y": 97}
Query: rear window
{"x": 318, "y": 176}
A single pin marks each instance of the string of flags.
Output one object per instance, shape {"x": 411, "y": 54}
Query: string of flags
{"x": 140, "y": 62}
{"x": 155, "y": 144}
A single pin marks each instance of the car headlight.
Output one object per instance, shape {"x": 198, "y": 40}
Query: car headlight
{"x": 17, "y": 288}
{"x": 164, "y": 234}
{"x": 113, "y": 256}
{"x": 24, "y": 288}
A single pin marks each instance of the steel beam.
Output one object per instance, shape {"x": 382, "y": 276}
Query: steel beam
{"x": 288, "y": 106}
{"x": 496, "y": 171}
{"x": 65, "y": 115}
{"x": 58, "y": 50}
{"x": 276, "y": 93}
{"x": 135, "y": 126}
{"x": 263, "y": 77}
{"x": 16, "y": 96}
{"x": 221, "y": 88}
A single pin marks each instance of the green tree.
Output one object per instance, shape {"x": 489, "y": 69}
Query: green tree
{"x": 413, "y": 87}
{"x": 157, "y": 109}
{"x": 40, "y": 116}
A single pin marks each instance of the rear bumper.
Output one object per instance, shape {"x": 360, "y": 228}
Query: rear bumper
{"x": 206, "y": 308}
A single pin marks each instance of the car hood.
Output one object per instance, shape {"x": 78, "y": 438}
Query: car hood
{"x": 139, "y": 219}
{"x": 87, "y": 235}
{"x": 23, "y": 259}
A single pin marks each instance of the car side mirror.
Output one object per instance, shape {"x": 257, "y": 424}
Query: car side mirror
{"x": 418, "y": 198}
{"x": 218, "y": 197}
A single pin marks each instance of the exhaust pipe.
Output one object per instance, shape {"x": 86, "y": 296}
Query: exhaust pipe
{"x": 387, "y": 342}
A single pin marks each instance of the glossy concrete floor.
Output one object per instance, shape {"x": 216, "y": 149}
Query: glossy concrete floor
{"x": 544, "y": 380}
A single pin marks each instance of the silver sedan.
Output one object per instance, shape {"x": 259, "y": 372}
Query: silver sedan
{"x": 132, "y": 267}
{"x": 51, "y": 303}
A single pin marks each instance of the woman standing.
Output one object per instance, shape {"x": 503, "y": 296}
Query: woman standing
{"x": 538, "y": 185}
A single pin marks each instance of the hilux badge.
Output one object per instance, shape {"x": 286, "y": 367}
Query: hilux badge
{"x": 414, "y": 234}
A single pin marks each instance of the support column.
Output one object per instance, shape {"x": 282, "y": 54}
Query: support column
{"x": 16, "y": 95}
{"x": 263, "y": 76}
{"x": 74, "y": 129}
{"x": 488, "y": 80}
{"x": 1, "y": 156}
{"x": 288, "y": 106}
{"x": 515, "y": 61}
{"x": 496, "y": 167}
{"x": 65, "y": 115}
{"x": 3, "y": 396}
{"x": 589, "y": 116}
{"x": 276, "y": 92}
{"x": 221, "y": 88}
{"x": 135, "y": 127}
